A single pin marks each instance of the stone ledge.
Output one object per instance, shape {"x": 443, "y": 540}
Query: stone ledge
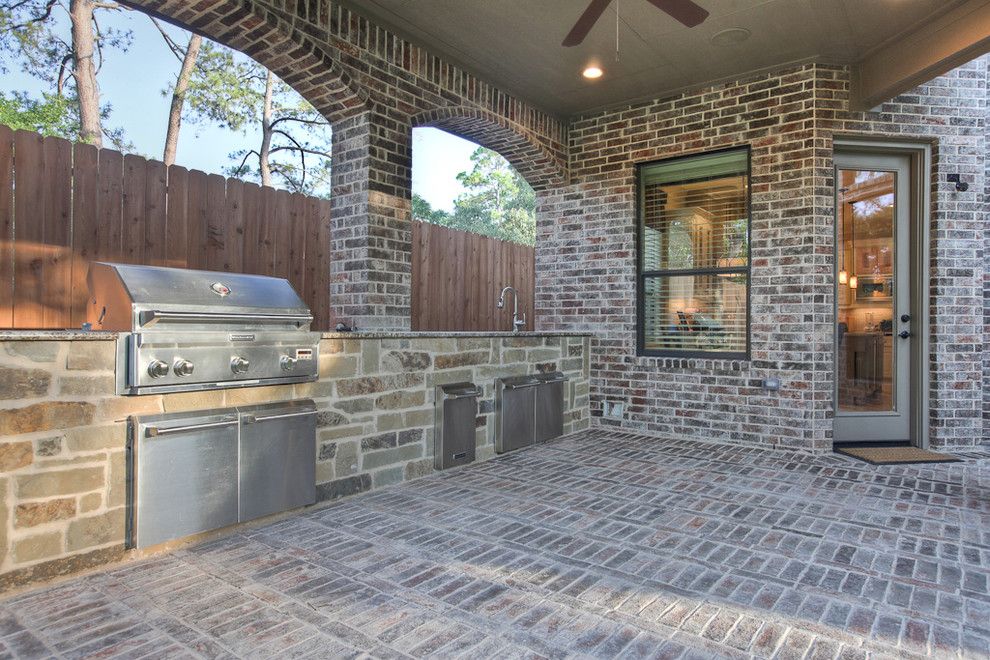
{"x": 59, "y": 335}
{"x": 443, "y": 334}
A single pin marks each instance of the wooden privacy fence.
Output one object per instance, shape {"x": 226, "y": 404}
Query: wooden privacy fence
{"x": 457, "y": 277}
{"x": 63, "y": 205}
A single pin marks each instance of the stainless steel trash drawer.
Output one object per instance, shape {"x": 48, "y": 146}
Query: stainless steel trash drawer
{"x": 550, "y": 406}
{"x": 183, "y": 475}
{"x": 455, "y": 414}
{"x": 515, "y": 412}
{"x": 277, "y": 458}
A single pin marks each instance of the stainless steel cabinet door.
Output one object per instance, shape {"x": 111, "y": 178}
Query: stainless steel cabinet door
{"x": 515, "y": 413}
{"x": 549, "y": 410}
{"x": 278, "y": 458}
{"x": 455, "y": 439}
{"x": 184, "y": 475}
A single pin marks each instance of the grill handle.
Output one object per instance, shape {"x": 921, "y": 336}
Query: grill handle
{"x": 154, "y": 316}
{"x": 253, "y": 419}
{"x": 154, "y": 431}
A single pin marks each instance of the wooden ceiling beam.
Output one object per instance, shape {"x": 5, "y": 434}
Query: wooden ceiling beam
{"x": 954, "y": 38}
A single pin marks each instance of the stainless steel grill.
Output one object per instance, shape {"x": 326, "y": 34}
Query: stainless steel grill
{"x": 189, "y": 330}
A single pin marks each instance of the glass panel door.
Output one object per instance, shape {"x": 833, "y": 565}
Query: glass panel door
{"x": 867, "y": 252}
{"x": 873, "y": 298}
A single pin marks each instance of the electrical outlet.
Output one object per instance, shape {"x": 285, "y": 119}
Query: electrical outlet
{"x": 612, "y": 409}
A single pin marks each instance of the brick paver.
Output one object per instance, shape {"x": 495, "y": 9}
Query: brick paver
{"x": 602, "y": 544}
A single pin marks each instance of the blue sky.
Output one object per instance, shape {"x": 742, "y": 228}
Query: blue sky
{"x": 132, "y": 83}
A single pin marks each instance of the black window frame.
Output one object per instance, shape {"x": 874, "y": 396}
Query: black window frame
{"x": 641, "y": 275}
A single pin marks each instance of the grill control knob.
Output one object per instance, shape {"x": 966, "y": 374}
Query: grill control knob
{"x": 157, "y": 369}
{"x": 182, "y": 367}
{"x": 239, "y": 365}
{"x": 287, "y": 363}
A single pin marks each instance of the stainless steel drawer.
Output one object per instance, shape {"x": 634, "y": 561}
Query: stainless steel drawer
{"x": 277, "y": 468}
{"x": 183, "y": 475}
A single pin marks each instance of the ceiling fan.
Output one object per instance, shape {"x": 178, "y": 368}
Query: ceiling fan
{"x": 685, "y": 11}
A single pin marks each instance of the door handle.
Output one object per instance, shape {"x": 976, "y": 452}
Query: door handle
{"x": 154, "y": 431}
{"x": 522, "y": 386}
{"x": 251, "y": 419}
{"x": 463, "y": 395}
{"x": 904, "y": 334}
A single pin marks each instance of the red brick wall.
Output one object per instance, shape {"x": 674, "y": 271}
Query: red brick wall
{"x": 374, "y": 87}
{"x": 586, "y": 254}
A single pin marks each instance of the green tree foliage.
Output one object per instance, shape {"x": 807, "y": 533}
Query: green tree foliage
{"x": 424, "y": 212}
{"x": 35, "y": 37}
{"x": 223, "y": 89}
{"x": 39, "y": 37}
{"x": 496, "y": 202}
{"x": 51, "y": 116}
{"x": 295, "y": 139}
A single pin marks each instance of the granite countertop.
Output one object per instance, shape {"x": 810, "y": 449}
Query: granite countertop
{"x": 92, "y": 335}
{"x": 441, "y": 334}
{"x": 56, "y": 335}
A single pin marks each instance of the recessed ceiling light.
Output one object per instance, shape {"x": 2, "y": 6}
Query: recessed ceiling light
{"x": 731, "y": 36}
{"x": 592, "y": 72}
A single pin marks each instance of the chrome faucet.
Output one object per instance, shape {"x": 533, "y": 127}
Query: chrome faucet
{"x": 517, "y": 323}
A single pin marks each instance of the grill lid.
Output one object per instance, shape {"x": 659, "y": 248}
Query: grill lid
{"x": 125, "y": 297}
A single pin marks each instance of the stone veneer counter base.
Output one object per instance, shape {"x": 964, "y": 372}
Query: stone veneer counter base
{"x": 63, "y": 429}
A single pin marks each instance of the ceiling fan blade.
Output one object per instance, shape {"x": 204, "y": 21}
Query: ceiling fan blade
{"x": 685, "y": 11}
{"x": 586, "y": 22}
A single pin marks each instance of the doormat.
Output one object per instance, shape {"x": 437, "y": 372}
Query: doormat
{"x": 896, "y": 455}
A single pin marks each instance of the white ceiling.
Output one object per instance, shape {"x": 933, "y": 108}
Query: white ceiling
{"x": 515, "y": 44}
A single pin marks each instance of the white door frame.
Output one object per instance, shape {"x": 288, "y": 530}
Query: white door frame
{"x": 920, "y": 154}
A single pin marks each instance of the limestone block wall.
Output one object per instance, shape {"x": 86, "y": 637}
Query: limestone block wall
{"x": 63, "y": 430}
{"x": 376, "y": 396}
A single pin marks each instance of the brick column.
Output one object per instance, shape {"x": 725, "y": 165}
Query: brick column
{"x": 371, "y": 246}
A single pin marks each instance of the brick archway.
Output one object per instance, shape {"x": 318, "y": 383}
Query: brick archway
{"x": 542, "y": 168}
{"x": 294, "y": 57}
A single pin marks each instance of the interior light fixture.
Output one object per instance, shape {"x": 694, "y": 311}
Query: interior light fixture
{"x": 843, "y": 273}
{"x": 592, "y": 72}
{"x": 853, "y": 280}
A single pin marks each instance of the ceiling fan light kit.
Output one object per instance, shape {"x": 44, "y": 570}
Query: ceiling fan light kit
{"x": 592, "y": 72}
{"x": 686, "y": 12}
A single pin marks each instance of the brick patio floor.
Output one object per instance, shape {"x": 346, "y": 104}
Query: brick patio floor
{"x": 602, "y": 544}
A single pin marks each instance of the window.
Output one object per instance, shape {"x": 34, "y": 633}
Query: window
{"x": 694, "y": 256}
